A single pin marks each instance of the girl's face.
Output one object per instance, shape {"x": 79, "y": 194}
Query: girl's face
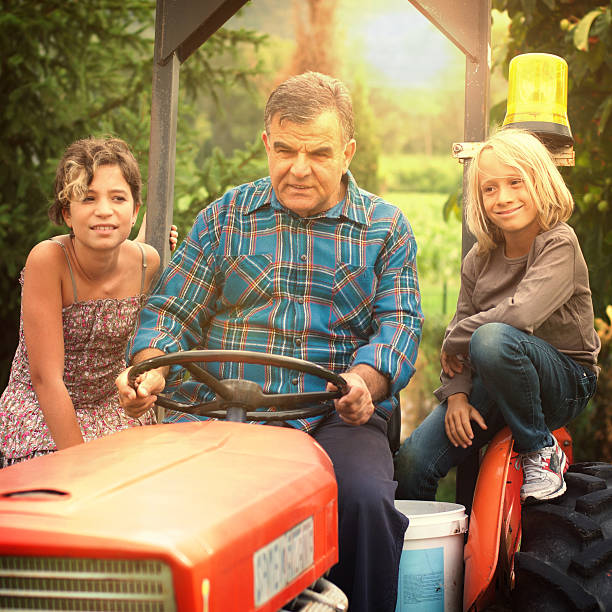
{"x": 105, "y": 217}
{"x": 507, "y": 202}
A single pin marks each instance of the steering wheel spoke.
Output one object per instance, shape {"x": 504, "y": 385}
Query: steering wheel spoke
{"x": 203, "y": 376}
{"x": 203, "y": 409}
{"x": 299, "y": 399}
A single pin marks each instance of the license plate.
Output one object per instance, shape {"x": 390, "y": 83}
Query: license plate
{"x": 279, "y": 562}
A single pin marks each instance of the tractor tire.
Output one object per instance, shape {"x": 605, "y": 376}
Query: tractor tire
{"x": 565, "y": 560}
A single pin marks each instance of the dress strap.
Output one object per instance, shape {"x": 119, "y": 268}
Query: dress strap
{"x": 74, "y": 291}
{"x": 144, "y": 267}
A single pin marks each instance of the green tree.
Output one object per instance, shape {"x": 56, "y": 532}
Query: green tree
{"x": 72, "y": 69}
{"x": 365, "y": 163}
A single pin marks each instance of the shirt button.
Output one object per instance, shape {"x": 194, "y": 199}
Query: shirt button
{"x": 298, "y": 341}
{"x": 294, "y": 381}
{"x": 301, "y": 301}
{"x": 303, "y": 256}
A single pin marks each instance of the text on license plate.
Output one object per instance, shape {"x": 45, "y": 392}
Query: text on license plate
{"x": 279, "y": 562}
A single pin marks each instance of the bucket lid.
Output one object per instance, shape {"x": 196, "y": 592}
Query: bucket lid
{"x": 432, "y": 519}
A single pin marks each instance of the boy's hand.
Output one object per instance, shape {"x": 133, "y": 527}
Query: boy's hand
{"x": 457, "y": 422}
{"x": 451, "y": 364}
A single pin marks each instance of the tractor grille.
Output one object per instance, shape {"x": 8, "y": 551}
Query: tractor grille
{"x": 65, "y": 583}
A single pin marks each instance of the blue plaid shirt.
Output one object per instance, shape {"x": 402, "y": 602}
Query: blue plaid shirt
{"x": 339, "y": 289}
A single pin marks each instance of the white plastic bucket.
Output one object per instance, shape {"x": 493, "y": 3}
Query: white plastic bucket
{"x": 431, "y": 567}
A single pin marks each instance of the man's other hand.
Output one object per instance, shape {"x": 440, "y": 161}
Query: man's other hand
{"x": 356, "y": 407}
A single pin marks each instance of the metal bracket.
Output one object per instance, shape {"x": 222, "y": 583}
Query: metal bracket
{"x": 562, "y": 156}
{"x": 464, "y": 150}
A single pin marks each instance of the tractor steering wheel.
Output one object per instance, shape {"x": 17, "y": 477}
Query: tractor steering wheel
{"x": 239, "y": 399}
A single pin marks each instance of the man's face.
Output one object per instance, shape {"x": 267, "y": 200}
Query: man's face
{"x": 307, "y": 162}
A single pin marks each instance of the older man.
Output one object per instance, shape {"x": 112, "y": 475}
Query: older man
{"x": 305, "y": 264}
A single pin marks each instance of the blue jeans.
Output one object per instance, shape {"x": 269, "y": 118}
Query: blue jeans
{"x": 517, "y": 380}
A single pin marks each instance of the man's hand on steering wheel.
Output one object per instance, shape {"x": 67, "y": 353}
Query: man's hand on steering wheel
{"x": 356, "y": 407}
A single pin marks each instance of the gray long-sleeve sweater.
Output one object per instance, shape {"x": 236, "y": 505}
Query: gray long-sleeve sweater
{"x": 545, "y": 293}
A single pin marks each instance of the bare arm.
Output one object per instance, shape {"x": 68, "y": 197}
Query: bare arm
{"x": 44, "y": 337}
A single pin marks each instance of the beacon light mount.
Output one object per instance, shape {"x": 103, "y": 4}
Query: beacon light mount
{"x": 537, "y": 102}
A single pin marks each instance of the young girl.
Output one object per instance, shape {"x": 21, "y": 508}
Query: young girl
{"x": 521, "y": 349}
{"x": 81, "y": 293}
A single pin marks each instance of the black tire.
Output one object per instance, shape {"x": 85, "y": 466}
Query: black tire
{"x": 565, "y": 561}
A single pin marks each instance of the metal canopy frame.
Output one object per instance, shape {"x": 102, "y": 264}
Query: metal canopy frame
{"x": 181, "y": 26}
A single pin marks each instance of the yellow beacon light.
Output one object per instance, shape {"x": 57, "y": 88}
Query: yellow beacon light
{"x": 537, "y": 97}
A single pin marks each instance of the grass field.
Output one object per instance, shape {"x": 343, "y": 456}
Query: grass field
{"x": 438, "y": 261}
{"x": 439, "y": 248}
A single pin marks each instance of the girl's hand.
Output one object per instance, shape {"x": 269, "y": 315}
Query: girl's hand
{"x": 457, "y": 422}
{"x": 136, "y": 401}
{"x": 451, "y": 364}
{"x": 173, "y": 237}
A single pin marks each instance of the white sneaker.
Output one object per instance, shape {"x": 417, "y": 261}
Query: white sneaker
{"x": 543, "y": 473}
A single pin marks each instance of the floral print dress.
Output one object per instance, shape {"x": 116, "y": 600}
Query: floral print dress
{"x": 95, "y": 336}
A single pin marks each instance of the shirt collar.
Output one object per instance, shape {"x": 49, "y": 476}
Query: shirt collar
{"x": 353, "y": 206}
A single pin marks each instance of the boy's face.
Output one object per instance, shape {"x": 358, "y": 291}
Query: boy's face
{"x": 506, "y": 200}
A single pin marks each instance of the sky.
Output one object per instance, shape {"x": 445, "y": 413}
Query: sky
{"x": 398, "y": 42}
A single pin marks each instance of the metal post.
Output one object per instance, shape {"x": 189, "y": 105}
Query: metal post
{"x": 162, "y": 148}
{"x": 181, "y": 26}
{"x": 476, "y": 121}
{"x": 162, "y": 155}
{"x": 476, "y": 127}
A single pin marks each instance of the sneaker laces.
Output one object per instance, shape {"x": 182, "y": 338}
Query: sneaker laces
{"x": 533, "y": 464}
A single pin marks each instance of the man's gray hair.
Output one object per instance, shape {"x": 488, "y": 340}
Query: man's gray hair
{"x": 302, "y": 98}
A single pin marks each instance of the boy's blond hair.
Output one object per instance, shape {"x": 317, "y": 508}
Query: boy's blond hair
{"x": 525, "y": 152}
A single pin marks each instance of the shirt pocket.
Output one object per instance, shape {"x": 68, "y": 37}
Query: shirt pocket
{"x": 353, "y": 296}
{"x": 248, "y": 280}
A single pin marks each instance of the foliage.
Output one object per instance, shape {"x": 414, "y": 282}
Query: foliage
{"x": 70, "y": 70}
{"x": 49, "y": 53}
{"x": 581, "y": 33}
{"x": 601, "y": 421}
{"x": 419, "y": 173}
{"x": 365, "y": 163}
{"x": 438, "y": 249}
{"x": 314, "y": 36}
{"x": 213, "y": 175}
{"x": 421, "y": 120}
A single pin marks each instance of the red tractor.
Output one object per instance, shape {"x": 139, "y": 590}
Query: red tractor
{"x": 552, "y": 557}
{"x": 208, "y": 516}
{"x": 221, "y": 516}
